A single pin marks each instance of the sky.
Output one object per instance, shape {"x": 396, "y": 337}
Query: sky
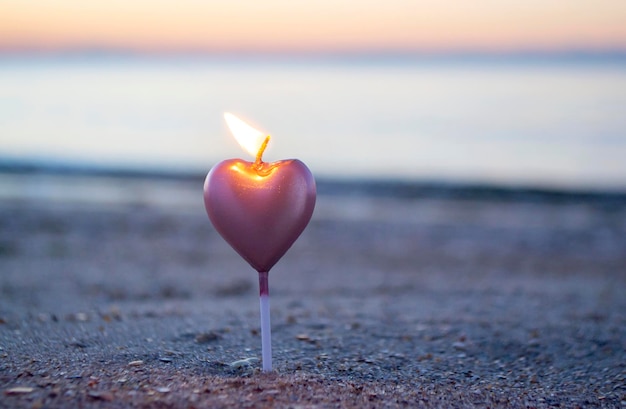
{"x": 321, "y": 26}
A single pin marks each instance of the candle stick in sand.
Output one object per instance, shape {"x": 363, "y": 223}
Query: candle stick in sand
{"x": 260, "y": 209}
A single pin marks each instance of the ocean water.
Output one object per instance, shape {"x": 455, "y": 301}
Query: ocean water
{"x": 550, "y": 124}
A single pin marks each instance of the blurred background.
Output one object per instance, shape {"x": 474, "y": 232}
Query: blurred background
{"x": 529, "y": 93}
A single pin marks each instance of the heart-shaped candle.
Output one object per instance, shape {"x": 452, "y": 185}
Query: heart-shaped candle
{"x": 259, "y": 208}
{"x": 260, "y": 211}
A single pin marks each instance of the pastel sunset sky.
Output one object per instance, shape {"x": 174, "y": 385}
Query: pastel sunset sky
{"x": 313, "y": 26}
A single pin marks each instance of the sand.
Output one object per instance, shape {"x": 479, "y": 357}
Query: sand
{"x": 383, "y": 302}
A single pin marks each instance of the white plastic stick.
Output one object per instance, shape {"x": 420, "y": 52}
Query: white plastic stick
{"x": 266, "y": 329}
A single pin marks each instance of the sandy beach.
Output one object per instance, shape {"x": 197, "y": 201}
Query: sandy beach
{"x": 125, "y": 296}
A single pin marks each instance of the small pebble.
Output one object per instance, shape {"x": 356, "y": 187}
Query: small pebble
{"x": 163, "y": 390}
{"x": 243, "y": 362}
{"x": 303, "y": 337}
{"x": 459, "y": 345}
{"x": 99, "y": 395}
{"x": 19, "y": 390}
{"x": 81, "y": 317}
{"x": 78, "y": 344}
{"x": 135, "y": 363}
{"x": 207, "y": 337}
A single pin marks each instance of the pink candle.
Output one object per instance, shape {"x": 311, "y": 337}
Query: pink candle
{"x": 259, "y": 208}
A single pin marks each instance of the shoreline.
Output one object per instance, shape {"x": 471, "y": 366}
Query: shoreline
{"x": 354, "y": 187}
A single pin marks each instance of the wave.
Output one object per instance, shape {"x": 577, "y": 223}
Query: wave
{"x": 337, "y": 186}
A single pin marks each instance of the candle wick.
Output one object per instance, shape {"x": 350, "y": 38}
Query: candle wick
{"x": 259, "y": 156}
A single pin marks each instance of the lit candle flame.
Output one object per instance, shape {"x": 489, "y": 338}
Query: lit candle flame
{"x": 248, "y": 138}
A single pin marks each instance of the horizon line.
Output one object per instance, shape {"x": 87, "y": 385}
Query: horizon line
{"x": 575, "y": 54}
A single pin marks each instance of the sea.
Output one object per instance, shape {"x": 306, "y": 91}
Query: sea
{"x": 538, "y": 122}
